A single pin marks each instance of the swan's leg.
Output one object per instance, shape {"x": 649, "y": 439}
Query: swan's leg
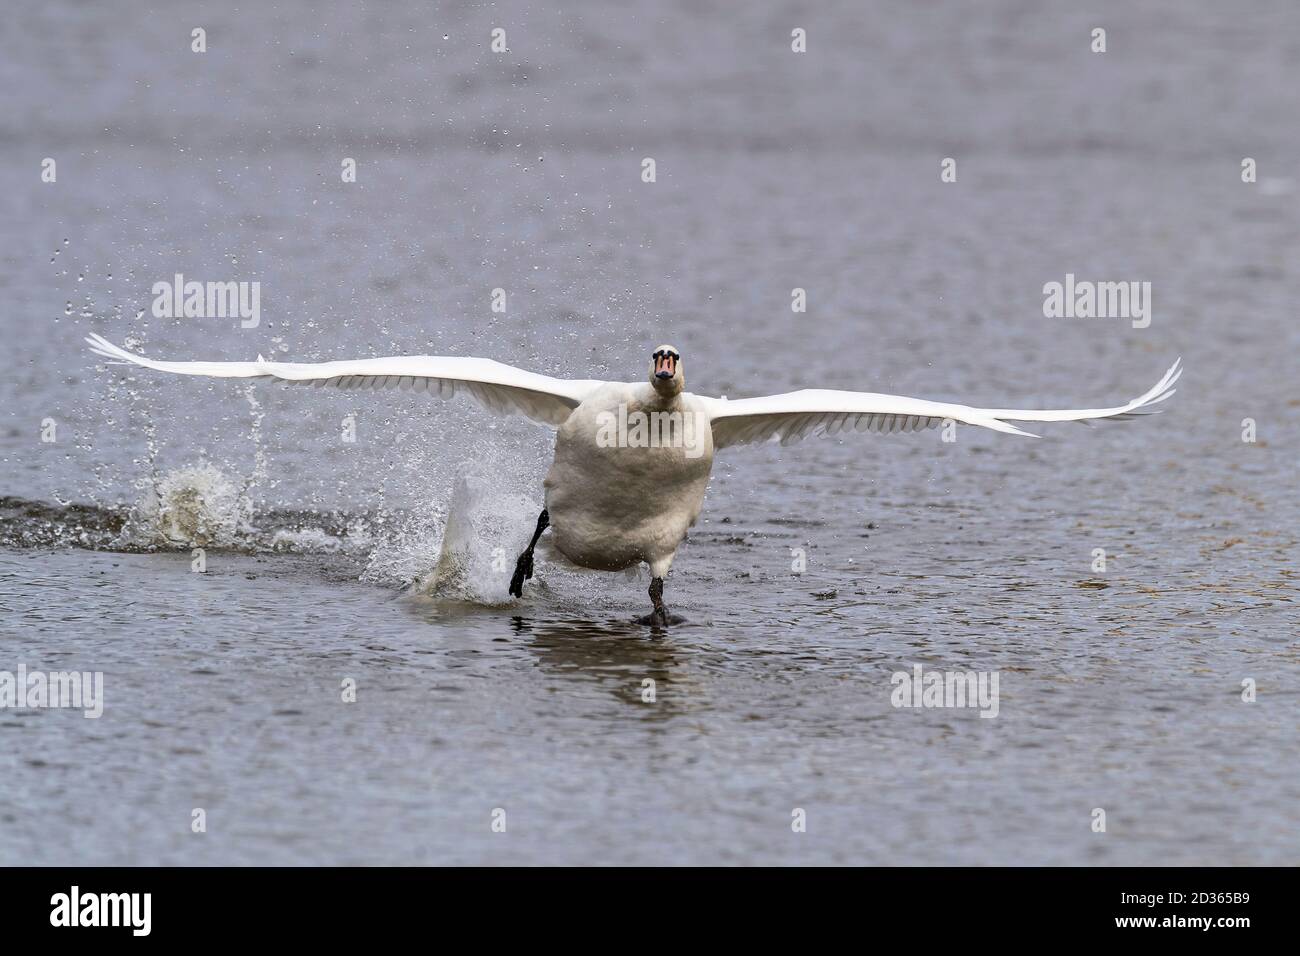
{"x": 660, "y": 613}
{"x": 524, "y": 566}
{"x": 659, "y": 617}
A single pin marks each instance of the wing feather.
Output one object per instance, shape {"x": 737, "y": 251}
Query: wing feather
{"x": 500, "y": 388}
{"x": 794, "y": 415}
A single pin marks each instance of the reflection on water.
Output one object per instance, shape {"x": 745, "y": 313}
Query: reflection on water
{"x": 621, "y": 657}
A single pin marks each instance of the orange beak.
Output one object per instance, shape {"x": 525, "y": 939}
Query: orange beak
{"x": 665, "y": 367}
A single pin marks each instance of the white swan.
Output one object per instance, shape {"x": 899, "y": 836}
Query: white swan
{"x": 632, "y": 460}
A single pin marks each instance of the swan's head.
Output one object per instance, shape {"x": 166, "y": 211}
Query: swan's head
{"x": 666, "y": 370}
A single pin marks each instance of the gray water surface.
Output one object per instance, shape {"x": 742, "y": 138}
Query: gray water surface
{"x": 1119, "y": 690}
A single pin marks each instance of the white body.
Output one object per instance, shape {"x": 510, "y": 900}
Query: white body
{"x": 614, "y": 506}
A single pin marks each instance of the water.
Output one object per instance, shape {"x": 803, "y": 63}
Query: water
{"x": 379, "y": 561}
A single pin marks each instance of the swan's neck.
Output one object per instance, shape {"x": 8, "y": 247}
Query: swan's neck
{"x": 655, "y": 399}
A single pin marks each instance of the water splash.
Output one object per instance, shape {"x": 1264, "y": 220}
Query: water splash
{"x": 461, "y": 549}
{"x": 195, "y": 506}
{"x": 257, "y": 477}
{"x": 465, "y": 551}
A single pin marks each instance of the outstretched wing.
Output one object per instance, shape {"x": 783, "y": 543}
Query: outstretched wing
{"x": 501, "y": 388}
{"x": 816, "y": 411}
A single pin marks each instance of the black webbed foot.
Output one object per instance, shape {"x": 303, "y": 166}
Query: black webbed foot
{"x": 659, "y": 617}
{"x": 524, "y": 566}
{"x": 523, "y": 571}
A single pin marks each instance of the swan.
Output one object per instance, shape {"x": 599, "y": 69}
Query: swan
{"x": 632, "y": 459}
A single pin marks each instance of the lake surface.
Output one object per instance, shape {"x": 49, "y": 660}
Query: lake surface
{"x": 223, "y": 690}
